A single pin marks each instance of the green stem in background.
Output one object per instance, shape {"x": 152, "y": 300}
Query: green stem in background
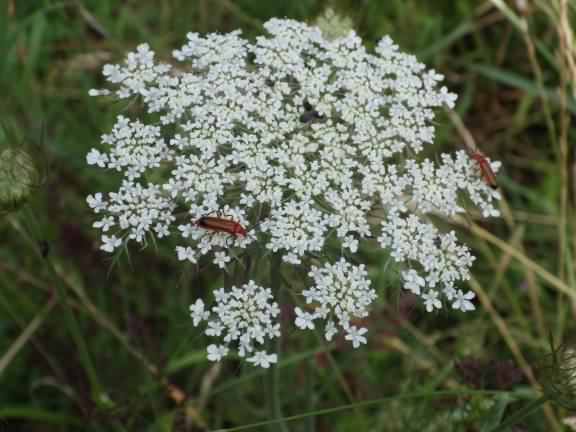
{"x": 521, "y": 414}
{"x": 274, "y": 374}
{"x": 367, "y": 403}
{"x": 327, "y": 350}
{"x": 229, "y": 278}
{"x": 26, "y": 335}
{"x": 62, "y": 283}
{"x": 311, "y": 397}
{"x": 97, "y": 390}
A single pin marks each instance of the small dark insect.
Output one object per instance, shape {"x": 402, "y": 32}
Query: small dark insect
{"x": 485, "y": 170}
{"x": 310, "y": 114}
{"x": 44, "y": 247}
{"x": 218, "y": 224}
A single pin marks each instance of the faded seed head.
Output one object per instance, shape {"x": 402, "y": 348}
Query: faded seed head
{"x": 18, "y": 178}
{"x": 332, "y": 25}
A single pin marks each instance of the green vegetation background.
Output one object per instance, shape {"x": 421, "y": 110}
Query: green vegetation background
{"x": 87, "y": 344}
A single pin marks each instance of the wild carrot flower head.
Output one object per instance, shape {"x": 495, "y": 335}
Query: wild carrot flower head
{"x": 301, "y": 140}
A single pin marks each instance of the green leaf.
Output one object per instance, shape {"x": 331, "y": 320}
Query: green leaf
{"x": 39, "y": 415}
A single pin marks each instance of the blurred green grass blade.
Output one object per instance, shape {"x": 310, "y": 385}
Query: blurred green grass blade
{"x": 505, "y": 77}
{"x": 81, "y": 345}
{"x": 72, "y": 323}
{"x": 25, "y": 336}
{"x": 7, "y": 43}
{"x": 440, "y": 377}
{"x": 546, "y": 54}
{"x": 36, "y": 41}
{"x": 367, "y": 403}
{"x": 443, "y": 43}
{"x": 496, "y": 413}
{"x": 519, "y": 82}
{"x": 39, "y": 415}
{"x": 518, "y": 22}
{"x": 35, "y": 23}
{"x": 287, "y": 361}
{"x": 187, "y": 360}
{"x": 519, "y": 415}
{"x": 164, "y": 423}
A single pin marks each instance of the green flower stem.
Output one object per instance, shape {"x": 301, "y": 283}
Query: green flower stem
{"x": 274, "y": 374}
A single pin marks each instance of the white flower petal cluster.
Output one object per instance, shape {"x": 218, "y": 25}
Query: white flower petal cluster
{"x": 245, "y": 317}
{"x": 301, "y": 140}
{"x": 441, "y": 261}
{"x": 136, "y": 210}
{"x": 340, "y": 293}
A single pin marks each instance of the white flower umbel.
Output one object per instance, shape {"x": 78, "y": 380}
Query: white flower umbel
{"x": 441, "y": 260}
{"x": 340, "y": 293}
{"x": 302, "y": 141}
{"x": 245, "y": 318}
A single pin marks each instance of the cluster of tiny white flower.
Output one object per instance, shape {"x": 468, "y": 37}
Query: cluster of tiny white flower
{"x": 245, "y": 316}
{"x": 340, "y": 292}
{"x": 442, "y": 259}
{"x": 298, "y": 139}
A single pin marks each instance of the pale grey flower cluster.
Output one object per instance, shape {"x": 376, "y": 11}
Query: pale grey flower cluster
{"x": 300, "y": 140}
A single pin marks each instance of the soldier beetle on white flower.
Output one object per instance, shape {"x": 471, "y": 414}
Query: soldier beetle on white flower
{"x": 220, "y": 224}
{"x": 485, "y": 169}
{"x": 476, "y": 155}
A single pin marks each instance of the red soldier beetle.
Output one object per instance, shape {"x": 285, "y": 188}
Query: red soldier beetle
{"x": 219, "y": 224}
{"x": 476, "y": 155}
{"x": 485, "y": 169}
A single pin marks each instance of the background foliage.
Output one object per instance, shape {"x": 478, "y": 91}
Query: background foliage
{"x": 91, "y": 344}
